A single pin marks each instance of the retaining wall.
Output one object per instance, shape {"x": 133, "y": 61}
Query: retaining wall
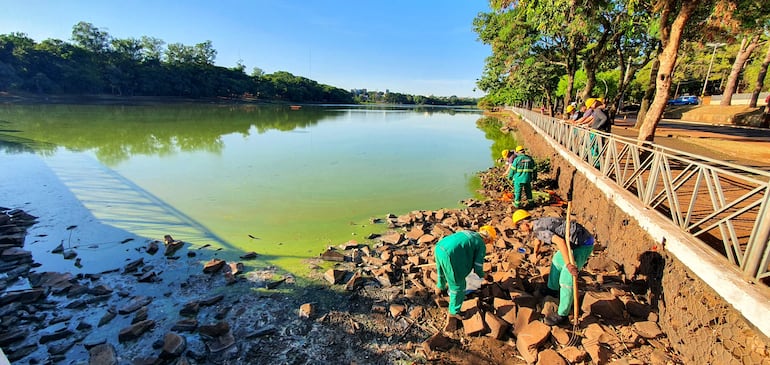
{"x": 702, "y": 326}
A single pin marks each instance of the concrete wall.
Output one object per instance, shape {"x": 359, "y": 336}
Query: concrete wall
{"x": 703, "y": 327}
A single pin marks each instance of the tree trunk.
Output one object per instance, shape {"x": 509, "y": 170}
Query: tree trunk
{"x": 648, "y": 94}
{"x": 570, "y": 86}
{"x": 760, "y": 79}
{"x": 732, "y": 81}
{"x": 590, "y": 81}
{"x": 671, "y": 39}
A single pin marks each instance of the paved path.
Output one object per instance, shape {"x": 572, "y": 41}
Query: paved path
{"x": 746, "y": 146}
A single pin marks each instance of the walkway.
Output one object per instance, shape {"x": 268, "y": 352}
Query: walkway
{"x": 745, "y": 146}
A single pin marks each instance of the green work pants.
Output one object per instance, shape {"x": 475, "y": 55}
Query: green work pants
{"x": 453, "y": 282}
{"x": 560, "y": 279}
{"x": 517, "y": 187}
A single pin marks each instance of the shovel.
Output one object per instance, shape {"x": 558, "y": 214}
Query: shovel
{"x": 575, "y": 310}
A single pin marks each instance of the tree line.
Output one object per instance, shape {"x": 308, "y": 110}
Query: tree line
{"x": 97, "y": 63}
{"x": 562, "y": 51}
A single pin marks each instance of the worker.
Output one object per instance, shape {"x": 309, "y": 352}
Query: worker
{"x": 508, "y": 156}
{"x": 552, "y": 230}
{"x": 521, "y": 174}
{"x": 456, "y": 256}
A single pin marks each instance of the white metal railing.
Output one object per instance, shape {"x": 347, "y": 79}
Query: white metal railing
{"x": 725, "y": 206}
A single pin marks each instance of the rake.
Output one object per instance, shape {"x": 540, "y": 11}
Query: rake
{"x": 573, "y": 337}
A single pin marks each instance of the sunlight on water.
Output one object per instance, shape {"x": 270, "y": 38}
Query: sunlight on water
{"x": 285, "y": 184}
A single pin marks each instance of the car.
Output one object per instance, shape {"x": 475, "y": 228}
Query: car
{"x": 684, "y": 100}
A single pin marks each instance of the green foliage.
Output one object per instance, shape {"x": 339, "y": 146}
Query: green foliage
{"x": 99, "y": 64}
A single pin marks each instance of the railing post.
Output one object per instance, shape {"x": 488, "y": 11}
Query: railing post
{"x": 758, "y": 241}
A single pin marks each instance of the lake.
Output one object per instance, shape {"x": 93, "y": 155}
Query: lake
{"x": 283, "y": 183}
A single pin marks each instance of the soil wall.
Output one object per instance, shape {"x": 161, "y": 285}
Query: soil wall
{"x": 702, "y": 326}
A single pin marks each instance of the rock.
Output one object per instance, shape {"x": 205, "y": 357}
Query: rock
{"x": 185, "y": 325}
{"x": 474, "y": 324}
{"x": 148, "y": 277}
{"x": 135, "y": 304}
{"x": 307, "y": 310}
{"x": 172, "y": 247}
{"x": 599, "y": 354}
{"x": 332, "y": 255}
{"x": 22, "y": 296}
{"x": 140, "y": 315}
{"x": 497, "y": 327}
{"x": 354, "y": 282}
{"x": 214, "y": 330}
{"x": 103, "y": 354}
{"x": 249, "y": 255}
{"x": 397, "y": 310}
{"x": 152, "y": 247}
{"x": 133, "y": 265}
{"x": 550, "y": 357}
{"x": 100, "y": 290}
{"x": 647, "y": 329}
{"x": 15, "y": 254}
{"x": 207, "y": 302}
{"x": 213, "y": 266}
{"x": 572, "y": 354}
{"x": 134, "y": 331}
{"x": 235, "y": 268}
{"x": 391, "y": 238}
{"x": 523, "y": 318}
{"x": 263, "y": 331}
{"x": 603, "y": 305}
{"x": 505, "y": 309}
{"x": 107, "y": 317}
{"x": 530, "y": 338}
{"x": 60, "y": 348}
{"x": 13, "y": 335}
{"x": 637, "y": 309}
{"x": 334, "y": 276}
{"x": 560, "y": 335}
{"x": 437, "y": 342}
{"x": 173, "y": 346}
{"x": 190, "y": 309}
{"x": 53, "y": 336}
{"x": 221, "y": 343}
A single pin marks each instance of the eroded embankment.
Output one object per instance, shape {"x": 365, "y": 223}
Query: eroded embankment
{"x": 703, "y": 327}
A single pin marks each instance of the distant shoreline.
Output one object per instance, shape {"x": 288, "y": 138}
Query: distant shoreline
{"x": 96, "y": 99}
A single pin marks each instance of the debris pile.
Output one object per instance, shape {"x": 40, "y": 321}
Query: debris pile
{"x": 617, "y": 320}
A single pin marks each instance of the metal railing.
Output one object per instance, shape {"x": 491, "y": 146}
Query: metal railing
{"x": 725, "y": 206}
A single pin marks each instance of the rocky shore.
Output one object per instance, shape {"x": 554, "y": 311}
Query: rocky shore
{"x": 375, "y": 305}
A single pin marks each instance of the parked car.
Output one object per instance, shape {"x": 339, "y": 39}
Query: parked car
{"x": 684, "y": 100}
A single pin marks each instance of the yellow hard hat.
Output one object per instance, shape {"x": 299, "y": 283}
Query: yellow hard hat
{"x": 506, "y": 153}
{"x": 519, "y": 215}
{"x": 519, "y": 148}
{"x": 570, "y": 108}
{"x": 590, "y": 102}
{"x": 488, "y": 232}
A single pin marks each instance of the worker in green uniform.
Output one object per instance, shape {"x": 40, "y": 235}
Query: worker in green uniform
{"x": 553, "y": 230}
{"x": 456, "y": 256}
{"x": 522, "y": 173}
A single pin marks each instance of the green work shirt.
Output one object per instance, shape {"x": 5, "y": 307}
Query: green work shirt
{"x": 465, "y": 250}
{"x": 522, "y": 169}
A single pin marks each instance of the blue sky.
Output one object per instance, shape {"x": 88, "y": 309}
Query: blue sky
{"x": 424, "y": 47}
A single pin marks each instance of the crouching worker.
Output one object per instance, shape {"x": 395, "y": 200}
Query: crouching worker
{"x": 456, "y": 256}
{"x": 552, "y": 230}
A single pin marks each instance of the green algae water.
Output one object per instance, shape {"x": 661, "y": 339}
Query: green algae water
{"x": 283, "y": 183}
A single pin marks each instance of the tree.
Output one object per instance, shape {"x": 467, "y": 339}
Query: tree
{"x": 91, "y": 38}
{"x": 760, "y": 79}
{"x": 671, "y": 29}
{"x": 747, "y": 47}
